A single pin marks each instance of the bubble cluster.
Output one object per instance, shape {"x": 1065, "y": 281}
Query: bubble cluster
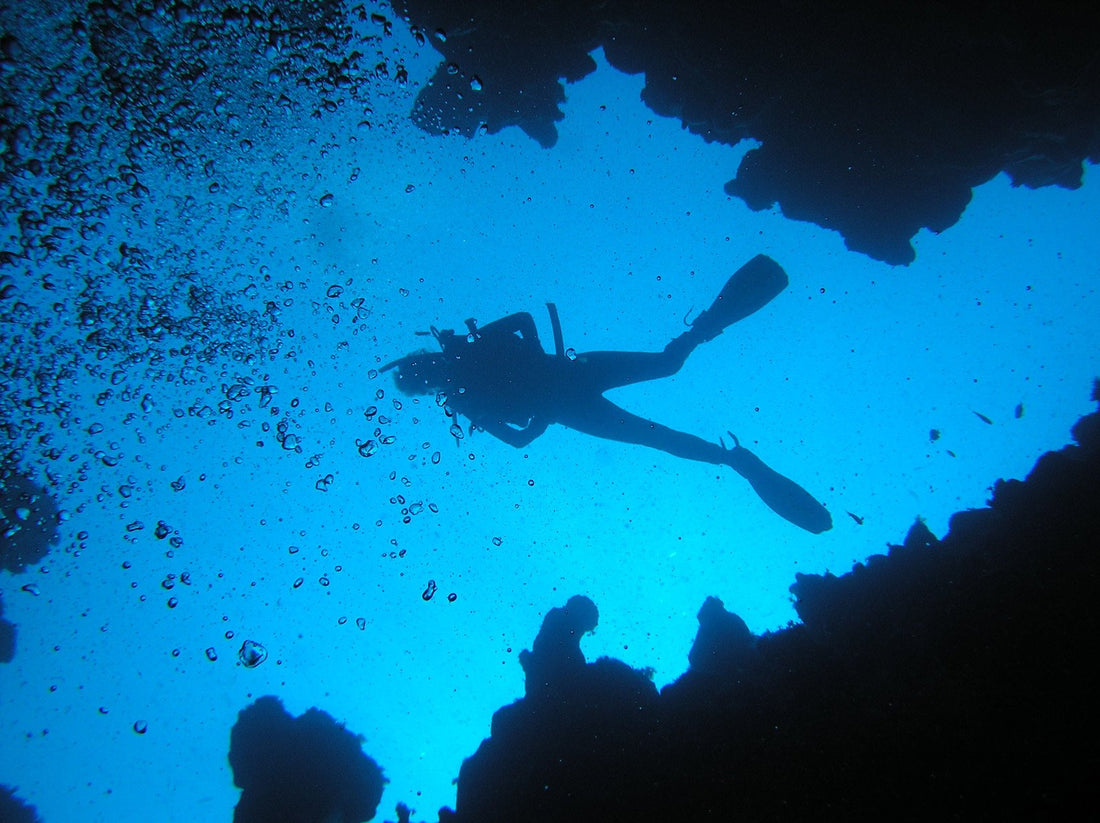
{"x": 129, "y": 135}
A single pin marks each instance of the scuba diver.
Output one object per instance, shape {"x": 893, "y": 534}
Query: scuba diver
{"x": 501, "y": 379}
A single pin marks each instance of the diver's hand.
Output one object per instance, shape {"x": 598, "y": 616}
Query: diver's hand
{"x": 513, "y": 436}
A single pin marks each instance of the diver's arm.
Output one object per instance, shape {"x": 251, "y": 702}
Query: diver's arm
{"x": 521, "y": 322}
{"x": 513, "y": 436}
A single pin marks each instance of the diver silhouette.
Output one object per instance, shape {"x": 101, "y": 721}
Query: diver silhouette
{"x": 501, "y": 379}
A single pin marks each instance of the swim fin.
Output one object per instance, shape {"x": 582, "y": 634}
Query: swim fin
{"x": 780, "y": 494}
{"x": 751, "y": 287}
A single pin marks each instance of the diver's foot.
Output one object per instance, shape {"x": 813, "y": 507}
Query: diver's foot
{"x": 682, "y": 345}
{"x": 734, "y": 456}
{"x": 705, "y": 326}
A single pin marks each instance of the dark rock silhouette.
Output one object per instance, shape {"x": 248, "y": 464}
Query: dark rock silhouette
{"x": 724, "y": 643}
{"x": 557, "y": 657}
{"x": 573, "y": 716}
{"x": 945, "y": 679}
{"x": 875, "y": 120}
{"x": 306, "y": 769}
{"x": 14, "y": 810}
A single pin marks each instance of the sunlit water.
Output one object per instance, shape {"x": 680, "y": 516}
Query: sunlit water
{"x": 624, "y": 224}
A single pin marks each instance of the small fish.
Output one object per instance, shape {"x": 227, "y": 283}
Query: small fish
{"x": 983, "y": 418}
{"x": 1019, "y": 410}
{"x": 857, "y": 518}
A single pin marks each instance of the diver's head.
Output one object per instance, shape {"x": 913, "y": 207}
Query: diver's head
{"x": 421, "y": 372}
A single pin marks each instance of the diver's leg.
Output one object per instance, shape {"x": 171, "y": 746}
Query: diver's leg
{"x": 749, "y": 289}
{"x": 599, "y": 371}
{"x": 600, "y": 417}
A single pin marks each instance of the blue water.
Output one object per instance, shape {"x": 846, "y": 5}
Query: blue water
{"x": 624, "y": 224}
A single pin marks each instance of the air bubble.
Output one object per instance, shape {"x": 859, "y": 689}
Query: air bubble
{"x": 251, "y": 654}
